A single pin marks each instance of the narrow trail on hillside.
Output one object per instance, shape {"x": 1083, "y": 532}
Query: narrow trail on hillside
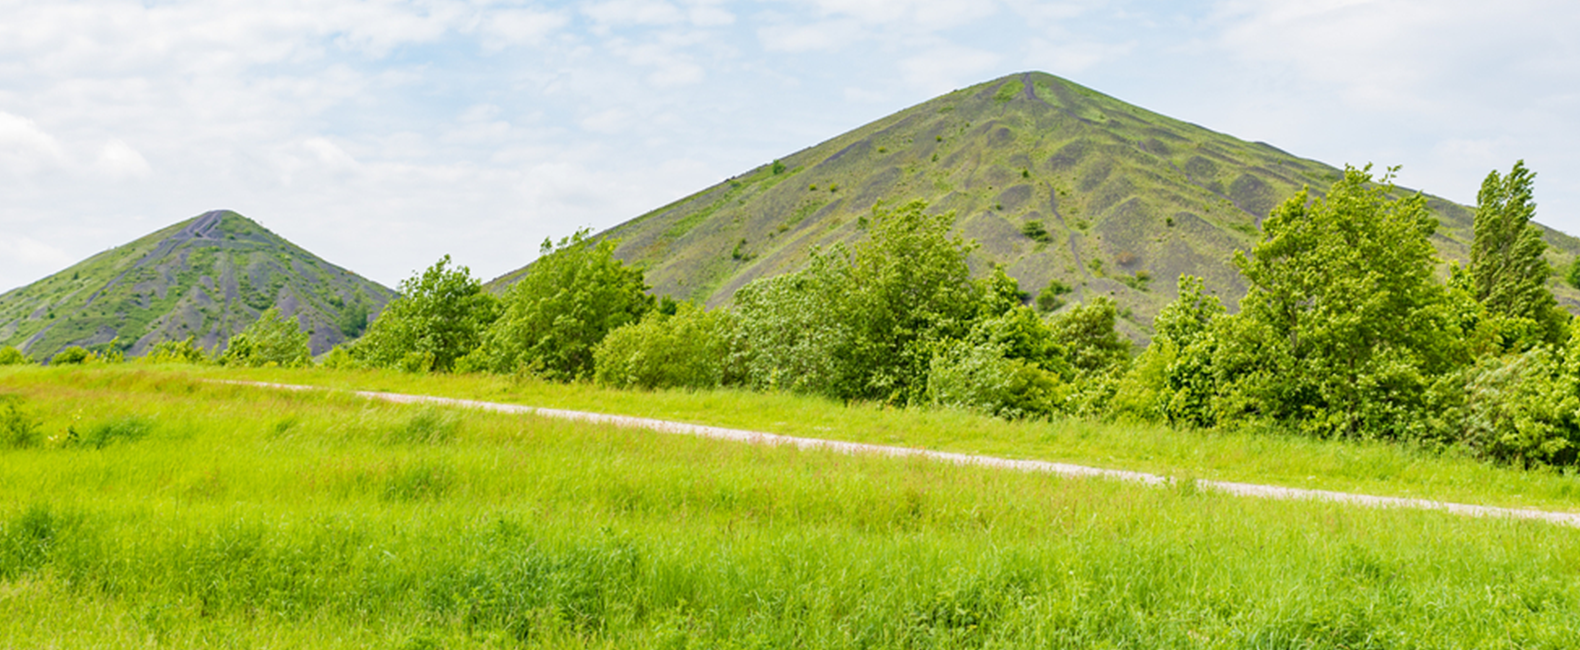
{"x": 1039, "y": 466}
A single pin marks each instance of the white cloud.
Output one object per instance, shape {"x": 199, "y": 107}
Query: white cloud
{"x": 119, "y": 161}
{"x": 506, "y": 27}
{"x": 822, "y": 36}
{"x": 709, "y": 13}
{"x": 1072, "y": 56}
{"x": 925, "y": 14}
{"x": 24, "y": 147}
{"x": 633, "y": 12}
{"x": 19, "y": 248}
{"x": 1406, "y": 56}
{"x": 611, "y": 121}
{"x": 944, "y": 67}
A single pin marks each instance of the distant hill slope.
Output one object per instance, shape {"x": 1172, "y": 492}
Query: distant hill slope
{"x": 1118, "y": 190}
{"x": 208, "y": 277}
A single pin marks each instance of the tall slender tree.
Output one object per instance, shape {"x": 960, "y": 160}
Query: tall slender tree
{"x": 1508, "y": 274}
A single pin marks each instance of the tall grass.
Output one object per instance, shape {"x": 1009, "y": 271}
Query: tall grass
{"x": 247, "y": 516}
{"x": 1266, "y": 456}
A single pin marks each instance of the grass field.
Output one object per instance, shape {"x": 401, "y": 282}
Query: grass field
{"x": 1270, "y": 457}
{"x": 187, "y": 513}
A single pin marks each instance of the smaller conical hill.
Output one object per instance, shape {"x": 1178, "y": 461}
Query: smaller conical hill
{"x": 208, "y": 277}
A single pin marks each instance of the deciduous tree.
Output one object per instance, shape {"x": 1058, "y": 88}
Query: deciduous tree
{"x": 1508, "y": 274}
{"x": 1343, "y": 325}
{"x": 563, "y": 306}
{"x": 439, "y": 317}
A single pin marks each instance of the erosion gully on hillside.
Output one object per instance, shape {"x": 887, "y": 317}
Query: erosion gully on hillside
{"x": 1060, "y": 469}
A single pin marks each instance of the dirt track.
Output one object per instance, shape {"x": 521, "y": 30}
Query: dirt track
{"x": 1060, "y": 469}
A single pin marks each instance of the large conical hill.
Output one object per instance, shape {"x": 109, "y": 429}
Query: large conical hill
{"x": 208, "y": 277}
{"x": 1052, "y": 179}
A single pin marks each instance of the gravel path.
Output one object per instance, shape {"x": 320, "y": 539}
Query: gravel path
{"x": 1046, "y": 467}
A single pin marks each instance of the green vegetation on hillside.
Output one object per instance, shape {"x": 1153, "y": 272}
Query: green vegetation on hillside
{"x": 191, "y": 514}
{"x": 206, "y": 278}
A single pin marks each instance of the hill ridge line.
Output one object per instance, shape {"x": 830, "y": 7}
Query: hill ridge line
{"x": 1252, "y": 490}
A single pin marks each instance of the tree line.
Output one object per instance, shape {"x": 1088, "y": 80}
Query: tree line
{"x": 1347, "y": 330}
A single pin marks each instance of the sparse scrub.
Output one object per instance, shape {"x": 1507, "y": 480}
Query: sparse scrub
{"x": 1141, "y": 280}
{"x": 272, "y": 339}
{"x": 18, "y": 428}
{"x": 183, "y": 351}
{"x": 104, "y": 433}
{"x": 1035, "y": 231}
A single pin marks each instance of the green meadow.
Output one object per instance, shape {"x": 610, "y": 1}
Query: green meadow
{"x": 149, "y": 506}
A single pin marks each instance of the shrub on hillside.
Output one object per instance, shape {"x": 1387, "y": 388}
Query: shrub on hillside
{"x": 271, "y": 340}
{"x": 691, "y": 349}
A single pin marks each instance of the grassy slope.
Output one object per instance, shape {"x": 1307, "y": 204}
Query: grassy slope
{"x": 207, "y": 277}
{"x": 252, "y": 517}
{"x": 1118, "y": 188}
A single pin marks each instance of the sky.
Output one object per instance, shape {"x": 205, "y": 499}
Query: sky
{"x": 384, "y": 134}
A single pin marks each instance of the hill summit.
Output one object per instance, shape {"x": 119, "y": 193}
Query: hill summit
{"x": 207, "y": 277}
{"x": 1072, "y": 191}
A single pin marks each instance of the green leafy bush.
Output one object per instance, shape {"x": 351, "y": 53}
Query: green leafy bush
{"x": 10, "y": 356}
{"x": 790, "y": 328}
{"x": 184, "y": 351}
{"x": 74, "y": 355}
{"x": 1035, "y": 231}
{"x": 1051, "y": 297}
{"x": 271, "y": 340}
{"x": 352, "y": 319}
{"x": 1518, "y": 408}
{"x": 1009, "y": 366}
{"x": 1173, "y": 378}
{"x": 693, "y": 348}
{"x": 439, "y": 318}
{"x": 563, "y": 306}
{"x": 862, "y": 323}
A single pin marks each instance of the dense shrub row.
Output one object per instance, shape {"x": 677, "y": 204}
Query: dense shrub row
{"x": 1346, "y": 330}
